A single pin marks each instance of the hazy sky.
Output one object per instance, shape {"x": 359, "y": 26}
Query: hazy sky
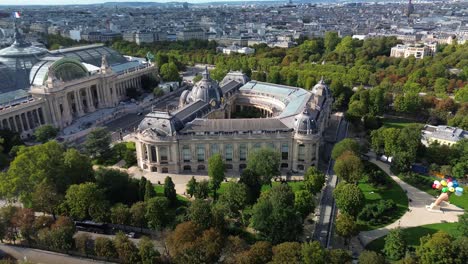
{"x": 53, "y": 2}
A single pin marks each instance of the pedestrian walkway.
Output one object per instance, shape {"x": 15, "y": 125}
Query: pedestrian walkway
{"x": 417, "y": 214}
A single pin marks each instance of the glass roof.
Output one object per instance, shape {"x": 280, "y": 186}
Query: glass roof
{"x": 92, "y": 54}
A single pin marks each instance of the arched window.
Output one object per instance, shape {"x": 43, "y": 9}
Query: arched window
{"x": 242, "y": 166}
{"x": 164, "y": 170}
{"x": 228, "y": 166}
{"x": 300, "y": 167}
{"x": 154, "y": 169}
{"x": 201, "y": 168}
{"x": 284, "y": 165}
{"x": 187, "y": 168}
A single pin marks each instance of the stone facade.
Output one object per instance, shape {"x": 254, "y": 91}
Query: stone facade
{"x": 292, "y": 122}
{"x": 64, "y": 85}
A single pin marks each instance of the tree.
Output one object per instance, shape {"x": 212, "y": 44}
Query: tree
{"x": 97, "y": 143}
{"x": 264, "y": 162}
{"x": 349, "y": 198}
{"x": 24, "y": 221}
{"x": 117, "y": 185}
{"x": 157, "y": 212}
{"x": 463, "y": 223}
{"x": 339, "y": 256}
{"x": 188, "y": 244}
{"x": 169, "y": 191}
{"x": 200, "y": 213}
{"x": 142, "y": 189}
{"x": 234, "y": 198}
{"x": 253, "y": 184}
{"x": 169, "y": 72}
{"x": 137, "y": 214}
{"x": 313, "y": 253}
{"x": 103, "y": 247}
{"x": 45, "y": 133}
{"x": 202, "y": 190}
{"x": 149, "y": 191}
{"x": 395, "y": 244}
{"x": 191, "y": 186}
{"x": 304, "y": 203}
{"x": 46, "y": 199}
{"x": 275, "y": 217}
{"x": 83, "y": 243}
{"x": 371, "y": 257}
{"x": 259, "y": 253}
{"x": 216, "y": 172}
{"x": 80, "y": 198}
{"x": 461, "y": 94}
{"x": 431, "y": 246}
{"x": 331, "y": 41}
{"x": 346, "y": 227}
{"x": 120, "y": 214}
{"x": 314, "y": 180}
{"x": 78, "y": 167}
{"x": 148, "y": 254}
{"x": 61, "y": 234}
{"x": 126, "y": 249}
{"x": 349, "y": 167}
{"x": 32, "y": 166}
{"x": 343, "y": 146}
{"x": 287, "y": 252}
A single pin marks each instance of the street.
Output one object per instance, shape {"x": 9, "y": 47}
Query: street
{"x": 324, "y": 226}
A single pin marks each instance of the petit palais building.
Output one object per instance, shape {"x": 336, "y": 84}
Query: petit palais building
{"x": 40, "y": 87}
{"x": 212, "y": 119}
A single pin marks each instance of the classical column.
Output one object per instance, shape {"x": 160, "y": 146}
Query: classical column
{"x": 148, "y": 150}
{"x": 90, "y": 100}
{"x": 38, "y": 117}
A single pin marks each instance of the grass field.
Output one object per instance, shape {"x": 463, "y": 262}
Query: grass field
{"x": 413, "y": 234}
{"x": 160, "y": 192}
{"x": 374, "y": 194}
{"x": 423, "y": 183}
{"x": 397, "y": 122}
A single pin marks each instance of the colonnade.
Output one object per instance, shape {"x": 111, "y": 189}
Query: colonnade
{"x": 23, "y": 122}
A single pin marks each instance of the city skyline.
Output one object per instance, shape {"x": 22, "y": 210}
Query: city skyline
{"x": 80, "y": 2}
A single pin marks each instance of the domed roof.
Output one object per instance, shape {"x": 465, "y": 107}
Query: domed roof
{"x": 206, "y": 89}
{"x": 65, "y": 69}
{"x": 321, "y": 88}
{"x": 16, "y": 62}
{"x": 304, "y": 123}
{"x": 160, "y": 124}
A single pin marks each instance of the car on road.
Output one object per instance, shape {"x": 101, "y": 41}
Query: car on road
{"x": 139, "y": 113}
{"x": 131, "y": 235}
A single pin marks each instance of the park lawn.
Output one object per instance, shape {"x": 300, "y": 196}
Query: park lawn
{"x": 425, "y": 185}
{"x": 160, "y": 192}
{"x": 397, "y": 122}
{"x": 413, "y": 234}
{"x": 374, "y": 194}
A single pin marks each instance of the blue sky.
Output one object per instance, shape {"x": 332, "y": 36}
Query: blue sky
{"x": 52, "y": 2}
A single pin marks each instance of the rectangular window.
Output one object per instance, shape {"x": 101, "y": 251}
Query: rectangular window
{"x": 201, "y": 152}
{"x": 214, "y": 149}
{"x": 153, "y": 153}
{"x": 301, "y": 153}
{"x": 284, "y": 151}
{"x": 271, "y": 145}
{"x": 228, "y": 151}
{"x": 242, "y": 152}
{"x": 163, "y": 154}
{"x": 186, "y": 153}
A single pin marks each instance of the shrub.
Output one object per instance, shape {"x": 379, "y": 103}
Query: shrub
{"x": 376, "y": 213}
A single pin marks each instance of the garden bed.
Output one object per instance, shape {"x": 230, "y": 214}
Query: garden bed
{"x": 412, "y": 235}
{"x": 374, "y": 194}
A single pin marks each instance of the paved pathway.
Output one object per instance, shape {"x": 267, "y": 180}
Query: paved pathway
{"x": 42, "y": 256}
{"x": 417, "y": 214}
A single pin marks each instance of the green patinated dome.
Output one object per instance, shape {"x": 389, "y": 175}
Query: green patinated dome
{"x": 66, "y": 69}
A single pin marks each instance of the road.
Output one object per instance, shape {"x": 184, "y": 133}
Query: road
{"x": 324, "y": 226}
{"x": 42, "y": 256}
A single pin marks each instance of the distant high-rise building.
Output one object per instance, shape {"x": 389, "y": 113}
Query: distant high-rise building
{"x": 410, "y": 8}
